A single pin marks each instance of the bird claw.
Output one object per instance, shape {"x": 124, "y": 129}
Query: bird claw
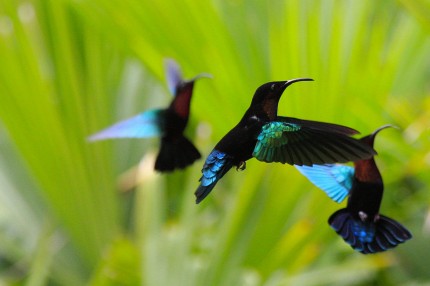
{"x": 242, "y": 166}
{"x": 362, "y": 215}
{"x": 376, "y": 218}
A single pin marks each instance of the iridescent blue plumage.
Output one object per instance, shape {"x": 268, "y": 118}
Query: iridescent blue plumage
{"x": 334, "y": 179}
{"x": 144, "y": 125}
{"x": 364, "y": 232}
{"x": 216, "y": 165}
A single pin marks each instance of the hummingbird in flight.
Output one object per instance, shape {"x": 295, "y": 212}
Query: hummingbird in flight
{"x": 264, "y": 135}
{"x": 176, "y": 151}
{"x": 360, "y": 224}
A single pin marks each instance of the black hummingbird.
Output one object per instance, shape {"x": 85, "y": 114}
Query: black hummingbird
{"x": 176, "y": 151}
{"x": 360, "y": 224}
{"x": 262, "y": 134}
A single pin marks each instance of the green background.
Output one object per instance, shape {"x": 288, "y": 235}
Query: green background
{"x": 74, "y": 213}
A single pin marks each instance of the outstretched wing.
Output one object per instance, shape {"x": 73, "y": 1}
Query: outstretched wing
{"x": 335, "y": 180}
{"x": 303, "y": 142}
{"x": 173, "y": 75}
{"x": 146, "y": 124}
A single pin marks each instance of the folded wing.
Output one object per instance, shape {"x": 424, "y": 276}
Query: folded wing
{"x": 216, "y": 165}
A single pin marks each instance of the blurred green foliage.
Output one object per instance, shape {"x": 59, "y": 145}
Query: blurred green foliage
{"x": 74, "y": 213}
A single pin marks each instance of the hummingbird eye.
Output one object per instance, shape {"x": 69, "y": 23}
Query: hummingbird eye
{"x": 273, "y": 87}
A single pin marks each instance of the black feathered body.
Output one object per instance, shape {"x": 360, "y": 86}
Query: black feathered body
{"x": 366, "y": 198}
{"x": 367, "y": 189}
{"x": 239, "y": 142}
{"x": 176, "y": 150}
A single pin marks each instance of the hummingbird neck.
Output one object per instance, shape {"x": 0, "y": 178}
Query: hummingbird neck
{"x": 367, "y": 171}
{"x": 270, "y": 108}
{"x": 181, "y": 103}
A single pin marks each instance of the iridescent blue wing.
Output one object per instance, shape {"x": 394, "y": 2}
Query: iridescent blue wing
{"x": 173, "y": 75}
{"x": 334, "y": 180}
{"x": 144, "y": 125}
{"x": 303, "y": 142}
{"x": 217, "y": 164}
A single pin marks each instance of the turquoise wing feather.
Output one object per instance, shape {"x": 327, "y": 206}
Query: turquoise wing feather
{"x": 270, "y": 141}
{"x": 335, "y": 180}
{"x": 144, "y": 125}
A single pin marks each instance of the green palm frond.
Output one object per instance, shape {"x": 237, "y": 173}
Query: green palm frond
{"x": 72, "y": 212}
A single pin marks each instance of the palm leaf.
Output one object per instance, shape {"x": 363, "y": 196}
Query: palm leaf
{"x": 69, "y": 68}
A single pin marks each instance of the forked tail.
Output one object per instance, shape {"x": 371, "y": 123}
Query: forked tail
{"x": 175, "y": 153}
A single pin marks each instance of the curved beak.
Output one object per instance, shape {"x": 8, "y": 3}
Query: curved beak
{"x": 382, "y": 128}
{"x": 201, "y": 75}
{"x": 291, "y": 81}
{"x": 370, "y": 139}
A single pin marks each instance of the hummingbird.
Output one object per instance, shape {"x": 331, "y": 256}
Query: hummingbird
{"x": 176, "y": 151}
{"x": 360, "y": 224}
{"x": 264, "y": 135}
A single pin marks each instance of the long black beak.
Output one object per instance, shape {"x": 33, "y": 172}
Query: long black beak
{"x": 370, "y": 139}
{"x": 382, "y": 128}
{"x": 291, "y": 81}
{"x": 201, "y": 75}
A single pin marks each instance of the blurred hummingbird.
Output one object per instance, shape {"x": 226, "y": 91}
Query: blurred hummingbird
{"x": 360, "y": 224}
{"x": 262, "y": 134}
{"x": 176, "y": 151}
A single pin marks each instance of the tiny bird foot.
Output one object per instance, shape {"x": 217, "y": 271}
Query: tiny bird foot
{"x": 362, "y": 215}
{"x": 242, "y": 166}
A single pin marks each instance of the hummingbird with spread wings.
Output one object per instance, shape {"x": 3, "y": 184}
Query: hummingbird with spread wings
{"x": 264, "y": 135}
{"x": 360, "y": 224}
{"x": 176, "y": 151}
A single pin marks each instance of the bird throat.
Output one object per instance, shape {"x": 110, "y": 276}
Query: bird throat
{"x": 366, "y": 171}
{"x": 181, "y": 103}
{"x": 270, "y": 107}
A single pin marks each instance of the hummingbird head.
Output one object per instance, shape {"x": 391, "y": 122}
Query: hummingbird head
{"x": 273, "y": 90}
{"x": 186, "y": 86}
{"x": 267, "y": 95}
{"x": 370, "y": 139}
{"x": 175, "y": 81}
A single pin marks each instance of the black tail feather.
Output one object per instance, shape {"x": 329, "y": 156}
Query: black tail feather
{"x": 202, "y": 192}
{"x": 368, "y": 237}
{"x": 176, "y": 153}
